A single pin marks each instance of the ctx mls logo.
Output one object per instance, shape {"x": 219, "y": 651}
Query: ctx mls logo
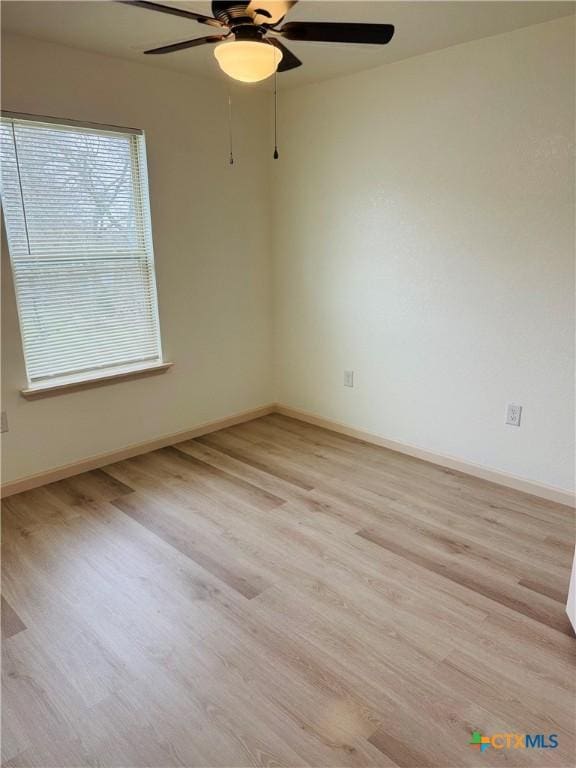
{"x": 514, "y": 741}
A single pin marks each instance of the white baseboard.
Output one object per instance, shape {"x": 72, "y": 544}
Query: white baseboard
{"x": 136, "y": 449}
{"x": 476, "y": 470}
{"x": 548, "y": 492}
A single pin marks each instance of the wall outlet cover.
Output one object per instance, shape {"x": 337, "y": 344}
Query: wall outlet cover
{"x": 513, "y": 414}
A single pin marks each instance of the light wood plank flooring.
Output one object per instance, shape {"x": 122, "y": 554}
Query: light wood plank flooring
{"x": 276, "y": 594}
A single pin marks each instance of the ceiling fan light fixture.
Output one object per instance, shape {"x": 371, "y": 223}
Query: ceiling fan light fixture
{"x": 249, "y": 61}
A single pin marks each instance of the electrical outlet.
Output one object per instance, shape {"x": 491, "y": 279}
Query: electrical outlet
{"x": 4, "y": 422}
{"x": 348, "y": 378}
{"x": 513, "y": 414}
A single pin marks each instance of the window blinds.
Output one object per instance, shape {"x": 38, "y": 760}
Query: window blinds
{"x": 77, "y": 217}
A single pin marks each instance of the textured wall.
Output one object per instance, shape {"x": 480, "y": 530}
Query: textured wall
{"x": 212, "y": 249}
{"x": 424, "y": 231}
{"x": 424, "y": 237}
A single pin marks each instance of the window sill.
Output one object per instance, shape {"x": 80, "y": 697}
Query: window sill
{"x": 50, "y": 390}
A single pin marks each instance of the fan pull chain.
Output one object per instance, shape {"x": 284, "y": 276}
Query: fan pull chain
{"x": 230, "y": 128}
{"x": 276, "y": 115}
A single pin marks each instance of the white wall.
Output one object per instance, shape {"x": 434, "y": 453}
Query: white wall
{"x": 212, "y": 246}
{"x": 571, "y": 602}
{"x": 424, "y": 237}
{"x": 424, "y": 233}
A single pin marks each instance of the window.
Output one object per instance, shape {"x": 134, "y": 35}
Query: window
{"x": 76, "y": 209}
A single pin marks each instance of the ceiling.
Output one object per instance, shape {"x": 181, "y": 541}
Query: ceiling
{"x": 118, "y": 30}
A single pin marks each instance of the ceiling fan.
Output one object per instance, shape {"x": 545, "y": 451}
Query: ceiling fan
{"x": 249, "y": 48}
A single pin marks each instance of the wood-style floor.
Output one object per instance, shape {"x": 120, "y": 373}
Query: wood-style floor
{"x": 276, "y": 594}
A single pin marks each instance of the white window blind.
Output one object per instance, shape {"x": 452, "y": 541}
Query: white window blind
{"x": 75, "y": 202}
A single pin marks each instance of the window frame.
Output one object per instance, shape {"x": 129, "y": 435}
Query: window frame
{"x": 61, "y": 383}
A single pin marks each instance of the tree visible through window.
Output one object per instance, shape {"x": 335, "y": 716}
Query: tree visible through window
{"x": 76, "y": 209}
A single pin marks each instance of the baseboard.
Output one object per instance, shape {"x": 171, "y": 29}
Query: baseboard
{"x": 476, "y": 470}
{"x": 550, "y": 493}
{"x": 136, "y": 449}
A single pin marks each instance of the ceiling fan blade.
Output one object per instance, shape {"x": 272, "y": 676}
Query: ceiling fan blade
{"x": 329, "y": 32}
{"x": 173, "y": 12}
{"x": 187, "y": 44}
{"x": 289, "y": 60}
{"x": 269, "y": 12}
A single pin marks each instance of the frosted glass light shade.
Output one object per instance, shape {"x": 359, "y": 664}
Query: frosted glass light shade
{"x": 248, "y": 60}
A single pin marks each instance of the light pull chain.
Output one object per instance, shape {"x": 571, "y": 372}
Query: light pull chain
{"x": 230, "y": 128}
{"x": 276, "y": 115}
